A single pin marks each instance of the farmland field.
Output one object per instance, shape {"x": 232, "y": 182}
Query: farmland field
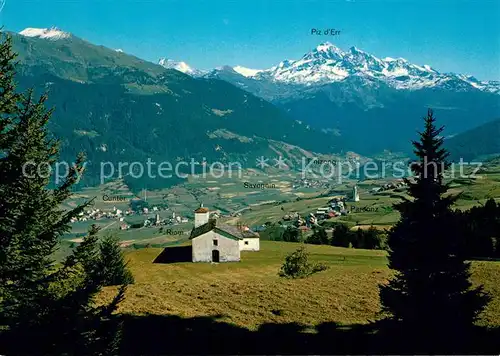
{"x": 258, "y": 206}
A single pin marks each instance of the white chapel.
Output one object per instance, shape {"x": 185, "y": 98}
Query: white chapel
{"x": 216, "y": 242}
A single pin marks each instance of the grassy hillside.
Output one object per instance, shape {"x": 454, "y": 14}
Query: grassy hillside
{"x": 250, "y": 293}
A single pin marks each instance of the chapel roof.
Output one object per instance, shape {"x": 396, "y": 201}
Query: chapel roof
{"x": 201, "y": 210}
{"x": 224, "y": 229}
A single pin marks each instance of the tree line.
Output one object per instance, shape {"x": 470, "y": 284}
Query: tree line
{"x": 342, "y": 236}
{"x": 478, "y": 228}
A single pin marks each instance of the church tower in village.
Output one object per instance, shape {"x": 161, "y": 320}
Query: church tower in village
{"x": 355, "y": 193}
{"x": 201, "y": 216}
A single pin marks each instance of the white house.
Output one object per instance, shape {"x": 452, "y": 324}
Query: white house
{"x": 215, "y": 242}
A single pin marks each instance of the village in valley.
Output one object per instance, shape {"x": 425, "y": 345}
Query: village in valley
{"x": 150, "y": 218}
{"x": 168, "y": 217}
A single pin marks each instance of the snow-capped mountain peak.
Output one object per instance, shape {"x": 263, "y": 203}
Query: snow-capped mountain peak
{"x": 283, "y": 64}
{"x": 323, "y": 52}
{"x": 180, "y": 66}
{"x": 356, "y": 50}
{"x": 52, "y": 33}
{"x": 327, "y": 47}
{"x": 428, "y": 67}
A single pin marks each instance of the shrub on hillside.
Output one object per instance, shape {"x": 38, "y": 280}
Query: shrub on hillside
{"x": 318, "y": 267}
{"x": 297, "y": 265}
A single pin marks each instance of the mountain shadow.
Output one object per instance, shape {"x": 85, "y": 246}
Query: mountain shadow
{"x": 174, "y": 254}
{"x": 161, "y": 334}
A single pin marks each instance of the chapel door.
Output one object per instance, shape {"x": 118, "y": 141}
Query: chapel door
{"x": 215, "y": 256}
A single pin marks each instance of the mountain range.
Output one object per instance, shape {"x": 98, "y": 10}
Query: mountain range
{"x": 327, "y": 64}
{"x": 476, "y": 144}
{"x": 370, "y": 103}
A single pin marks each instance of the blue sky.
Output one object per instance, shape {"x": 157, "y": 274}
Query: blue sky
{"x": 450, "y": 35}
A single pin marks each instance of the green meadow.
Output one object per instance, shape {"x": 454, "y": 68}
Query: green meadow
{"x": 250, "y": 293}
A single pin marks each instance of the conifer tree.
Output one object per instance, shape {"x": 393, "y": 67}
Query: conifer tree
{"x": 358, "y": 240}
{"x": 322, "y": 236}
{"x": 8, "y": 107}
{"x": 373, "y": 238}
{"x": 44, "y": 308}
{"x": 431, "y": 292}
{"x": 497, "y": 244}
{"x": 8, "y": 95}
{"x": 490, "y": 226}
{"x": 341, "y": 236}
